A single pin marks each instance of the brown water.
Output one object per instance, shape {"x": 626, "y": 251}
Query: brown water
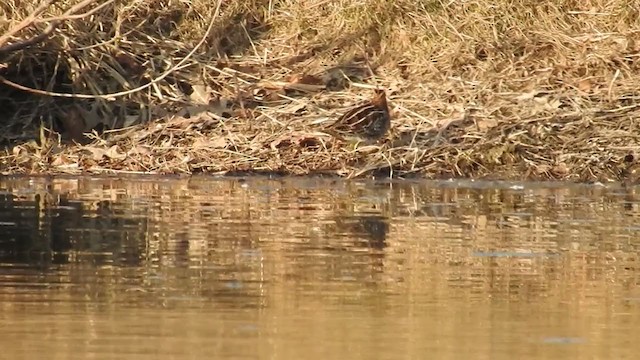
{"x": 317, "y": 269}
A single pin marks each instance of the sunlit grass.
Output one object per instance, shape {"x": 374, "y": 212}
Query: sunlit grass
{"x": 477, "y": 88}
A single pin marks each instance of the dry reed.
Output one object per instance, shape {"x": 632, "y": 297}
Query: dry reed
{"x": 514, "y": 90}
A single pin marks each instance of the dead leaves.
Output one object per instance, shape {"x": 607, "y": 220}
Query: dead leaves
{"x": 98, "y": 153}
{"x": 305, "y": 83}
{"x": 299, "y": 140}
{"x": 585, "y": 85}
{"x": 218, "y": 142}
{"x": 535, "y": 102}
{"x": 297, "y": 83}
{"x": 204, "y": 104}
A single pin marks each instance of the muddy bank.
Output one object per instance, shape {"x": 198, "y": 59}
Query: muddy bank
{"x": 475, "y": 90}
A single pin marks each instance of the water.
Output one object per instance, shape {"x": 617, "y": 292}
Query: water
{"x": 178, "y": 268}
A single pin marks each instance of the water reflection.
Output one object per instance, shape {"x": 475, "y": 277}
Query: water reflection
{"x": 317, "y": 268}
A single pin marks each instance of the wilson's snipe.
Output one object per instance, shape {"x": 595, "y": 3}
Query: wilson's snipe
{"x": 369, "y": 121}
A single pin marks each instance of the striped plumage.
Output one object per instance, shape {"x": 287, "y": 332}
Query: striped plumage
{"x": 369, "y": 121}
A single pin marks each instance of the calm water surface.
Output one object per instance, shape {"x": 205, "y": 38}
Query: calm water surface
{"x": 111, "y": 268}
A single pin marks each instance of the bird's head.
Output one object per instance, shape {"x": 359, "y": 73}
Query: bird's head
{"x": 380, "y": 98}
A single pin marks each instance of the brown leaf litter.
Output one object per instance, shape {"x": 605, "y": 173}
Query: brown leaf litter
{"x": 474, "y": 89}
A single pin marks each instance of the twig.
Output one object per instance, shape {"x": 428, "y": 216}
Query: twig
{"x": 67, "y": 15}
{"x": 32, "y": 41}
{"x": 54, "y": 22}
{"x": 24, "y": 23}
{"x": 111, "y": 96}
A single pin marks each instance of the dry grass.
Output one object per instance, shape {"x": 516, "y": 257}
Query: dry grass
{"x": 477, "y": 88}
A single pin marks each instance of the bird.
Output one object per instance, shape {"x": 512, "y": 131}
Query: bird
{"x": 369, "y": 121}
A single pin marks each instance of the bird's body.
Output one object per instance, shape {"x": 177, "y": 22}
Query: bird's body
{"x": 369, "y": 121}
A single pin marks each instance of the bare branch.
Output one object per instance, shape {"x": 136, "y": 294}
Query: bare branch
{"x": 26, "y": 22}
{"x": 53, "y": 24}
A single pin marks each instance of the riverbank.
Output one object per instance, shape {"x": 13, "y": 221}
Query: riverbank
{"x": 476, "y": 89}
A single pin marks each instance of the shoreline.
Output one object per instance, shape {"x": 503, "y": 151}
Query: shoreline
{"x": 475, "y": 90}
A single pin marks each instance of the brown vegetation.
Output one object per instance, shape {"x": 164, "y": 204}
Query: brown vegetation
{"x": 514, "y": 90}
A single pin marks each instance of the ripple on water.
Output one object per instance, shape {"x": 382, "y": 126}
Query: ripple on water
{"x": 317, "y": 268}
